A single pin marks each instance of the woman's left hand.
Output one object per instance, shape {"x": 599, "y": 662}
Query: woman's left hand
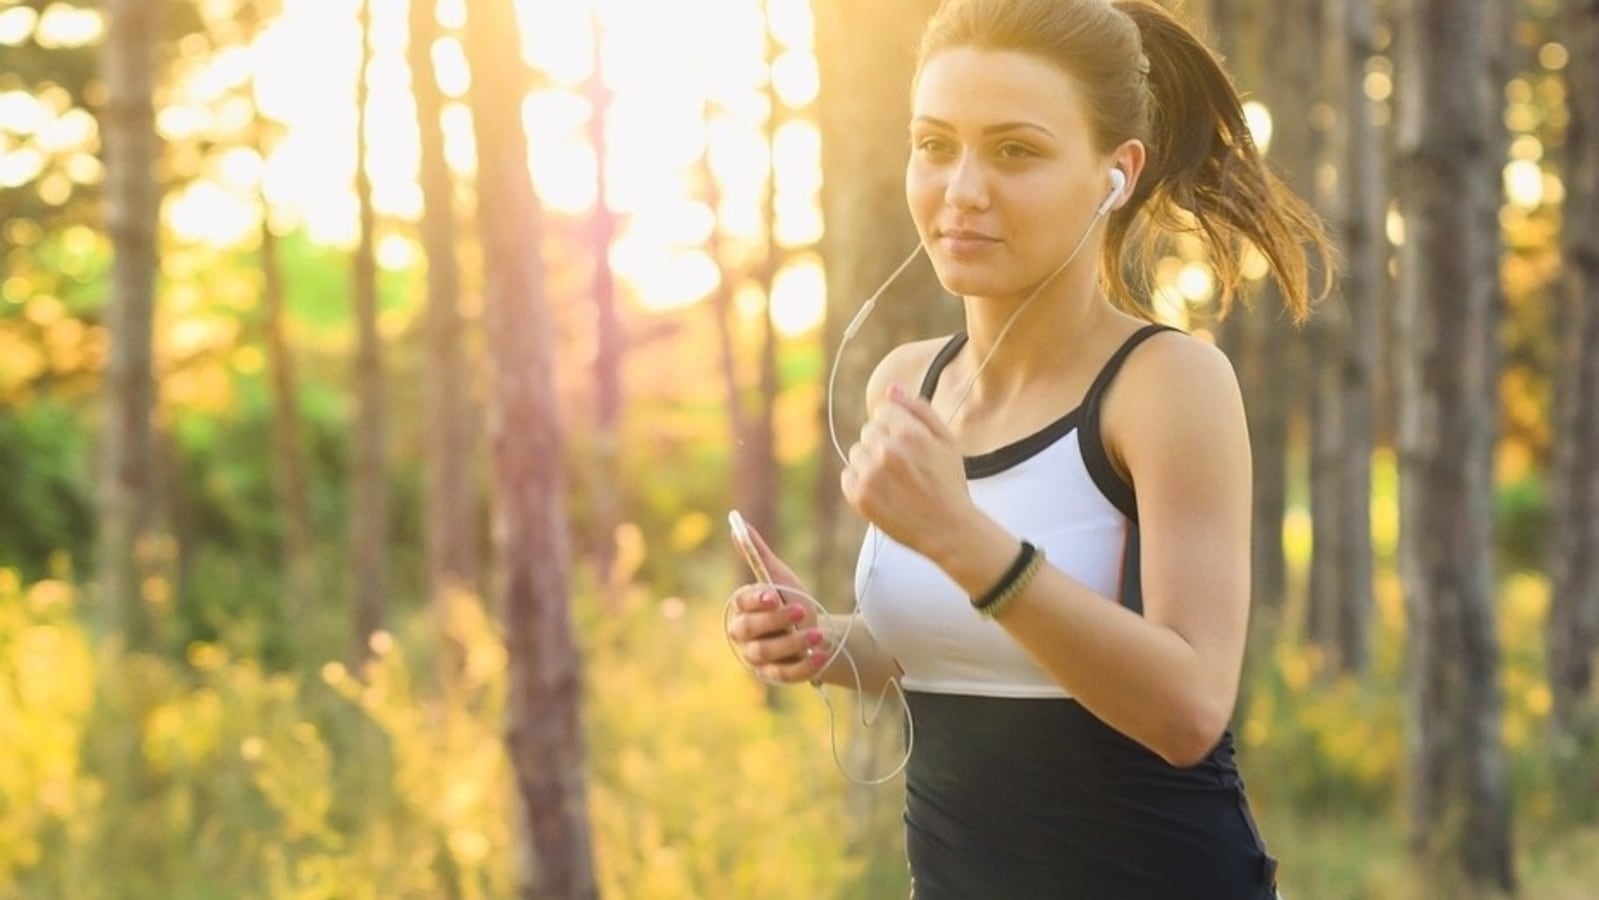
{"x": 906, "y": 475}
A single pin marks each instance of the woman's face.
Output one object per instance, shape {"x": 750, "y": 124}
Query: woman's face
{"x": 1004, "y": 176}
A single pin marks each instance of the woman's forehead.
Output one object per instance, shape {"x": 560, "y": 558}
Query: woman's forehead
{"x": 965, "y": 86}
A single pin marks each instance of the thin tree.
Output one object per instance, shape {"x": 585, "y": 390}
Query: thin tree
{"x": 128, "y": 483}
{"x": 369, "y": 508}
{"x": 1448, "y": 138}
{"x": 450, "y": 520}
{"x": 1344, "y": 336}
{"x": 1574, "y": 479}
{"x": 532, "y": 547}
{"x": 610, "y": 340}
{"x": 1274, "y": 60}
{"x": 289, "y": 483}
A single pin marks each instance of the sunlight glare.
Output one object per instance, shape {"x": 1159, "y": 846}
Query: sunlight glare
{"x": 558, "y": 39}
{"x": 796, "y": 79}
{"x": 22, "y": 113}
{"x": 1258, "y": 117}
{"x": 19, "y": 167}
{"x": 63, "y": 25}
{"x": 16, "y": 25}
{"x": 1524, "y": 183}
{"x": 664, "y": 278}
{"x": 799, "y": 297}
{"x": 792, "y": 23}
{"x": 207, "y": 211}
{"x": 450, "y": 68}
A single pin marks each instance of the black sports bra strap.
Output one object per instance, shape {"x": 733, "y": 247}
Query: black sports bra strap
{"x": 1104, "y": 475}
{"x": 1114, "y": 364}
{"x": 936, "y": 369}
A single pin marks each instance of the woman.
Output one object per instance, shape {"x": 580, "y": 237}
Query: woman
{"x": 1062, "y": 489}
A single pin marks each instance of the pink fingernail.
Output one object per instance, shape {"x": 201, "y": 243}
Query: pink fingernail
{"x": 796, "y": 613}
{"x": 814, "y": 636}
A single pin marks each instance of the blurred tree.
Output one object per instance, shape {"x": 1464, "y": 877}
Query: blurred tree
{"x": 290, "y": 484}
{"x": 866, "y": 55}
{"x": 1274, "y": 58}
{"x": 610, "y": 341}
{"x": 128, "y": 487}
{"x": 755, "y": 482}
{"x": 532, "y": 549}
{"x": 1449, "y": 155}
{"x": 1574, "y": 559}
{"x": 1344, "y": 339}
{"x": 451, "y": 520}
{"x": 369, "y": 507}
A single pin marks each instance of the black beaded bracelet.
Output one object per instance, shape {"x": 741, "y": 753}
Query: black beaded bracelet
{"x": 1015, "y": 578}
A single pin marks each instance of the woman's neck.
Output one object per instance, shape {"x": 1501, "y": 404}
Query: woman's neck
{"x": 1045, "y": 336}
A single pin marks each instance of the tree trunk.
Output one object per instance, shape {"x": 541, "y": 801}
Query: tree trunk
{"x": 1344, "y": 341}
{"x": 289, "y": 481}
{"x": 1574, "y": 479}
{"x": 610, "y": 342}
{"x": 1448, "y": 141}
{"x": 369, "y": 513}
{"x": 128, "y": 483}
{"x": 451, "y": 523}
{"x": 1263, "y": 348}
{"x": 545, "y": 737}
{"x": 867, "y": 57}
{"x": 757, "y": 460}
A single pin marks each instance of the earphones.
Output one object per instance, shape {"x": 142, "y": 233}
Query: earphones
{"x": 1118, "y": 183}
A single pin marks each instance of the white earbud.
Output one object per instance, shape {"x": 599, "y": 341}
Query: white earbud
{"x": 1118, "y": 181}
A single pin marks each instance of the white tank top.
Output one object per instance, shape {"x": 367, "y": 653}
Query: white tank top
{"x": 1050, "y": 488}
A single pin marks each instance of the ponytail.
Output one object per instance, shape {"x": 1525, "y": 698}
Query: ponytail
{"x": 1205, "y": 176}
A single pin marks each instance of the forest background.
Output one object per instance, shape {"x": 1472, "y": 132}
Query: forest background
{"x": 375, "y": 376}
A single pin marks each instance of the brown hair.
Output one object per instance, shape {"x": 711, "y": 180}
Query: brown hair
{"x": 1145, "y": 75}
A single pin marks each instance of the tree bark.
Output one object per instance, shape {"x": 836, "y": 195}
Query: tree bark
{"x": 451, "y": 520}
{"x": 1574, "y": 479}
{"x": 533, "y": 556}
{"x": 369, "y": 513}
{"x": 128, "y": 484}
{"x": 1344, "y": 342}
{"x": 1448, "y": 140}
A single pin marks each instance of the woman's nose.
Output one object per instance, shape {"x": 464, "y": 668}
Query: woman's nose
{"x": 967, "y": 187}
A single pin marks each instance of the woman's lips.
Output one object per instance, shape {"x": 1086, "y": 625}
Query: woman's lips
{"x": 964, "y": 242}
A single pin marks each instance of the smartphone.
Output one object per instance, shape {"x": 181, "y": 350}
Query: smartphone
{"x": 746, "y": 545}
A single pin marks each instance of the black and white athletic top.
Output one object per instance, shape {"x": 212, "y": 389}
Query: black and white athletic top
{"x": 1014, "y": 791}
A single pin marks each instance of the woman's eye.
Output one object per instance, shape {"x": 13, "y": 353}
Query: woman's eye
{"x": 1015, "y": 151}
{"x": 933, "y": 145}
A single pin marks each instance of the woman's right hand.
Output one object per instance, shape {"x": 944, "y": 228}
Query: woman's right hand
{"x": 775, "y": 631}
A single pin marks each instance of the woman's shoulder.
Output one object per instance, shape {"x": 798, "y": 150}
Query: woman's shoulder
{"x": 905, "y": 365}
{"x": 1175, "y": 360}
{"x": 1174, "y": 388}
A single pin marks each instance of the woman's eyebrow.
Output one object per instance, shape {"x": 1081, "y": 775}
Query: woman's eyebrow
{"x": 991, "y": 129}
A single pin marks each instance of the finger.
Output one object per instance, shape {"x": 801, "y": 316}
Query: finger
{"x": 803, "y": 668}
{"x": 756, "y": 597}
{"x": 919, "y": 409}
{"x": 800, "y": 667}
{"x": 754, "y": 626}
{"x": 787, "y": 648}
{"x": 776, "y": 566}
